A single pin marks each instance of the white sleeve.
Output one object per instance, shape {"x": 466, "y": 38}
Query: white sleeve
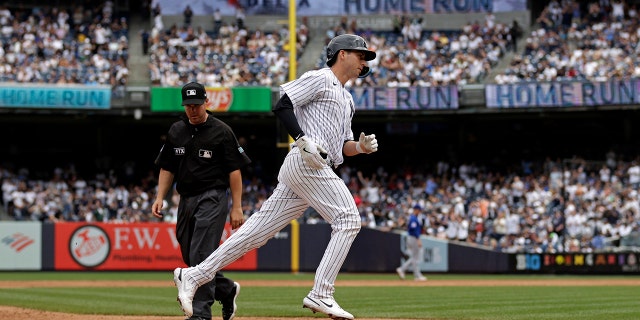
{"x": 304, "y": 89}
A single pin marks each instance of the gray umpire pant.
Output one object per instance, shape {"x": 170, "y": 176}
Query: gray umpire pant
{"x": 201, "y": 220}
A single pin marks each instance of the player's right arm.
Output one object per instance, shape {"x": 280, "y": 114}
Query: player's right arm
{"x": 284, "y": 111}
{"x": 312, "y": 153}
{"x": 165, "y": 179}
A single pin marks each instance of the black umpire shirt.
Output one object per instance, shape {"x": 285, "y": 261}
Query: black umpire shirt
{"x": 201, "y": 156}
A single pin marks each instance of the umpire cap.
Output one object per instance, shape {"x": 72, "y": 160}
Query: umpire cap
{"x": 193, "y": 93}
{"x": 349, "y": 42}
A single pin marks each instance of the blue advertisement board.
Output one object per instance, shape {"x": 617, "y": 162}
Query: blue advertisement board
{"x": 341, "y": 7}
{"x": 405, "y": 98}
{"x": 55, "y": 96}
{"x": 563, "y": 94}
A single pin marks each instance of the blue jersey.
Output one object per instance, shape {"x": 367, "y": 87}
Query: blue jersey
{"x": 415, "y": 227}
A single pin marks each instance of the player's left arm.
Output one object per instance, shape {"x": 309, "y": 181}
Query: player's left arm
{"x": 236, "y": 216}
{"x": 365, "y": 144}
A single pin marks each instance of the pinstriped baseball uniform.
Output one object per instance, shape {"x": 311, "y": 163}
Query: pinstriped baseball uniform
{"x": 324, "y": 109}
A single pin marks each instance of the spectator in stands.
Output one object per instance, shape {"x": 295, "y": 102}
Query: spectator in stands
{"x": 217, "y": 22}
{"x": 144, "y": 37}
{"x": 618, "y": 8}
{"x": 156, "y": 10}
{"x": 188, "y": 15}
{"x": 240, "y": 16}
{"x": 515, "y": 32}
{"x": 158, "y": 24}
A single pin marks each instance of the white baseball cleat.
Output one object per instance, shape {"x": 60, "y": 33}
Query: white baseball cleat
{"x": 420, "y": 278}
{"x": 400, "y": 273}
{"x": 327, "y": 306}
{"x": 186, "y": 291}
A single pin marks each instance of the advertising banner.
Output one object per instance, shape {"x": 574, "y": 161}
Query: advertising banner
{"x": 55, "y": 96}
{"x": 238, "y": 99}
{"x": 20, "y": 245}
{"x": 434, "y": 254}
{"x": 339, "y": 7}
{"x": 576, "y": 263}
{"x": 139, "y": 246}
{"x": 410, "y": 98}
{"x": 563, "y": 94}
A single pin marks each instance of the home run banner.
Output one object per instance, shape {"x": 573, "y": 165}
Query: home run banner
{"x": 405, "y": 98}
{"x": 55, "y": 96}
{"x": 339, "y": 7}
{"x": 563, "y": 94}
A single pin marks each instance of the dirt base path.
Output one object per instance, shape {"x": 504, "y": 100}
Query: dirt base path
{"x": 24, "y": 314}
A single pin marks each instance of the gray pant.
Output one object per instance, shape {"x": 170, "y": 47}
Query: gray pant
{"x": 415, "y": 256}
{"x": 201, "y": 220}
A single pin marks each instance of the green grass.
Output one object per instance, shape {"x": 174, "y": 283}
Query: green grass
{"x": 423, "y": 302}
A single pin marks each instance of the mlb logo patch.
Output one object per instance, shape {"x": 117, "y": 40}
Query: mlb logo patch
{"x": 191, "y": 92}
{"x": 207, "y": 154}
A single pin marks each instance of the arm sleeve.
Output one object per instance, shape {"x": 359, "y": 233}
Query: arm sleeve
{"x": 284, "y": 111}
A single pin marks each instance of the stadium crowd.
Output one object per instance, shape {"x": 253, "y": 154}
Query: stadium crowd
{"x": 89, "y": 45}
{"x": 551, "y": 206}
{"x": 595, "y": 41}
{"x": 570, "y": 40}
{"x": 408, "y": 55}
{"x": 227, "y": 56}
{"x": 81, "y": 45}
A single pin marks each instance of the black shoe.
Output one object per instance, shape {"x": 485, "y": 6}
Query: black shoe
{"x": 229, "y": 303}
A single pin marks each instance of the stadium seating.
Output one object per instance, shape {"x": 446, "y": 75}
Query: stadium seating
{"x": 64, "y": 45}
{"x": 228, "y": 57}
{"x": 568, "y": 44}
{"x": 411, "y": 56}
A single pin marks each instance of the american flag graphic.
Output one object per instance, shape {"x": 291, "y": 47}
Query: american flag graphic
{"x": 17, "y": 241}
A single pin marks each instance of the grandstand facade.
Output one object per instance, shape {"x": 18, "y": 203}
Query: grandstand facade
{"x": 469, "y": 131}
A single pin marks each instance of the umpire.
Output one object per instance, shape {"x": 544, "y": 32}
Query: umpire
{"x": 204, "y": 156}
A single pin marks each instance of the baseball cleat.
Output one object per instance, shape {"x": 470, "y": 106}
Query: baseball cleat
{"x": 186, "y": 291}
{"x": 327, "y": 306}
{"x": 400, "y": 273}
{"x": 229, "y": 305}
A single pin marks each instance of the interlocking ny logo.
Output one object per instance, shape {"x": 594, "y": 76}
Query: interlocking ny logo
{"x": 191, "y": 92}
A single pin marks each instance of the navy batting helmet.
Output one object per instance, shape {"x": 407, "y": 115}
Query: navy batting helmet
{"x": 349, "y": 42}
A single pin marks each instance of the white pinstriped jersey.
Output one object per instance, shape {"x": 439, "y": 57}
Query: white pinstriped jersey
{"x": 324, "y": 109}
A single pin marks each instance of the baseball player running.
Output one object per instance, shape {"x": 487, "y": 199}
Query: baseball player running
{"x": 414, "y": 246}
{"x": 317, "y": 110}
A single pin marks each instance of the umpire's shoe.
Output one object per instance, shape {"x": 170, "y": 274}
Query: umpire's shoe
{"x": 186, "y": 291}
{"x": 229, "y": 306}
{"x": 327, "y": 306}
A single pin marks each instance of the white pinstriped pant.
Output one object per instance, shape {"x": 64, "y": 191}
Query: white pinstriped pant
{"x": 298, "y": 188}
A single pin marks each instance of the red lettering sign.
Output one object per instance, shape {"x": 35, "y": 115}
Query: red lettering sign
{"x": 140, "y": 246}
